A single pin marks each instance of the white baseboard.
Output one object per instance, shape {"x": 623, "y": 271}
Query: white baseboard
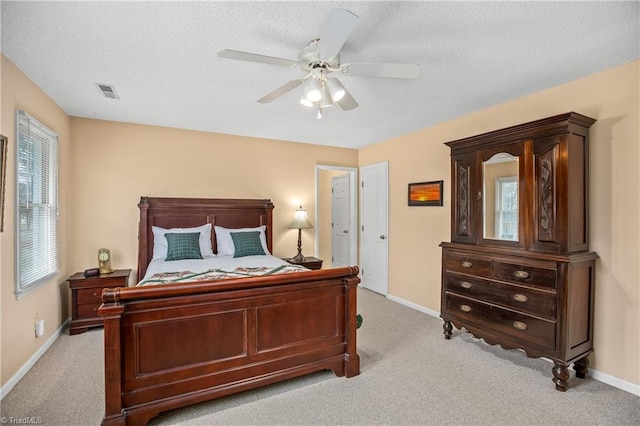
{"x": 632, "y": 388}
{"x": 412, "y": 305}
{"x": 4, "y": 391}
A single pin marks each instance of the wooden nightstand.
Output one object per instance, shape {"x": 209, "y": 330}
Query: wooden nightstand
{"x": 86, "y": 297}
{"x": 307, "y": 262}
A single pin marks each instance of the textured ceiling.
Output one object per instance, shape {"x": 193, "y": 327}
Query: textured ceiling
{"x": 161, "y": 57}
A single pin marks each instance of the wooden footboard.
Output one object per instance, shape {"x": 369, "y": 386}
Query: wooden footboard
{"x": 169, "y": 346}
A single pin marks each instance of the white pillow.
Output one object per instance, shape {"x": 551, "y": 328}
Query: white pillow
{"x": 160, "y": 242}
{"x": 224, "y": 241}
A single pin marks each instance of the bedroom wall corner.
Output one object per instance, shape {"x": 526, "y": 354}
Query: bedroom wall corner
{"x": 18, "y": 343}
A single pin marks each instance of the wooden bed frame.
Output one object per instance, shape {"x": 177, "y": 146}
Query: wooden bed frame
{"x": 173, "y": 345}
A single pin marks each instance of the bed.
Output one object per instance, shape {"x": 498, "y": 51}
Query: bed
{"x": 173, "y": 344}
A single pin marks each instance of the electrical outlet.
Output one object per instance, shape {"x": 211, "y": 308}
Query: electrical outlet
{"x": 38, "y": 325}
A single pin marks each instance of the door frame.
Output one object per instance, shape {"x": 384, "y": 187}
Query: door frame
{"x": 353, "y": 208}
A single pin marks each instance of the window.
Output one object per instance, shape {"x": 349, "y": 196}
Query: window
{"x": 37, "y": 248}
{"x": 507, "y": 208}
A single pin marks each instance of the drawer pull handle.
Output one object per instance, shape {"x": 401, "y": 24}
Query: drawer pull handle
{"x": 520, "y": 298}
{"x": 95, "y": 294}
{"x": 521, "y": 274}
{"x": 466, "y": 264}
{"x": 520, "y": 325}
{"x": 465, "y": 308}
{"x": 465, "y": 284}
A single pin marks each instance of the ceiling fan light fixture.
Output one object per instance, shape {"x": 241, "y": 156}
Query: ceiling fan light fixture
{"x": 325, "y": 101}
{"x": 336, "y": 89}
{"x": 313, "y": 92}
{"x": 319, "y": 59}
{"x": 306, "y": 102}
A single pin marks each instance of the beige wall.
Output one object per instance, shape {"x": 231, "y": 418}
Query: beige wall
{"x": 611, "y": 97}
{"x": 51, "y": 301}
{"x": 116, "y": 163}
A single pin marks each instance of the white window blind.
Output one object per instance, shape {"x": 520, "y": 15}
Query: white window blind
{"x": 37, "y": 244}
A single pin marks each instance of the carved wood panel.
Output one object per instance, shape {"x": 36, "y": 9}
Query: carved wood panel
{"x": 463, "y": 213}
{"x": 549, "y": 211}
{"x": 546, "y": 194}
{"x": 463, "y": 199}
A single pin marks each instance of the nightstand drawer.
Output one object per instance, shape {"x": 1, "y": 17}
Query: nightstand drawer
{"x": 88, "y": 310}
{"x": 89, "y": 295}
{"x": 527, "y": 300}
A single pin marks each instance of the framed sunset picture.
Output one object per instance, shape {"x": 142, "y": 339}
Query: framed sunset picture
{"x": 425, "y": 193}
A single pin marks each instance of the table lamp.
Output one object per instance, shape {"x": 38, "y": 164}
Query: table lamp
{"x": 300, "y": 222}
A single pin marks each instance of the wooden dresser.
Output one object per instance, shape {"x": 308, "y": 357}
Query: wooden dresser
{"x": 518, "y": 271}
{"x": 86, "y": 297}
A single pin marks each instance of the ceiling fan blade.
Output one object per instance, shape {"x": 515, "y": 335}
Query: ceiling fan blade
{"x": 334, "y": 33}
{"x": 287, "y": 87}
{"x": 382, "y": 70}
{"x": 254, "y": 57}
{"x": 347, "y": 102}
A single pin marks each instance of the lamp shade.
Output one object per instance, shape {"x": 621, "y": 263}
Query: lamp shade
{"x": 305, "y": 102}
{"x": 313, "y": 91}
{"x": 300, "y": 220}
{"x": 325, "y": 102}
{"x": 336, "y": 89}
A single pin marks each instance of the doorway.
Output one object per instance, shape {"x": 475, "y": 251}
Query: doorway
{"x": 324, "y": 213}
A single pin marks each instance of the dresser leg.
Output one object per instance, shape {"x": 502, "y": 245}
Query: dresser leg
{"x": 582, "y": 367}
{"x": 560, "y": 376}
{"x": 447, "y": 327}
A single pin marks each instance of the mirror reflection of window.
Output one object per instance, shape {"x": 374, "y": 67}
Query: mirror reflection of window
{"x": 507, "y": 208}
{"x": 500, "y": 197}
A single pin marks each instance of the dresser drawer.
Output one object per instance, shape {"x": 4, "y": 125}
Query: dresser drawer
{"x": 544, "y": 277}
{"x": 460, "y": 261}
{"x": 89, "y": 295}
{"x": 527, "y": 300}
{"x": 499, "y": 320}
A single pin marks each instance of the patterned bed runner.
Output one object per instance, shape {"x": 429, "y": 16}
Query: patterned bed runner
{"x": 218, "y": 274}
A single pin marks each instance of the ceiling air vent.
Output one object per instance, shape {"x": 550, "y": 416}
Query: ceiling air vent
{"x": 108, "y": 91}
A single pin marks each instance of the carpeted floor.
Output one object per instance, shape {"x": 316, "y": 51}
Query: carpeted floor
{"x": 410, "y": 375}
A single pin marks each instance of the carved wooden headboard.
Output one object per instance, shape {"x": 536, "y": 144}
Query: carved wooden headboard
{"x": 192, "y": 212}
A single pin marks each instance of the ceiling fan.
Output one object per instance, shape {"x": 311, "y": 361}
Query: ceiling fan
{"x": 319, "y": 59}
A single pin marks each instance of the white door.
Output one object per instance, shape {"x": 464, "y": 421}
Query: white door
{"x": 375, "y": 211}
{"x": 340, "y": 225}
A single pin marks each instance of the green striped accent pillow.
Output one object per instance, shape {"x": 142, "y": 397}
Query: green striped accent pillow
{"x": 247, "y": 244}
{"x": 183, "y": 245}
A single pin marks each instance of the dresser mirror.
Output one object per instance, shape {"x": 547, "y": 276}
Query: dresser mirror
{"x": 500, "y": 197}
